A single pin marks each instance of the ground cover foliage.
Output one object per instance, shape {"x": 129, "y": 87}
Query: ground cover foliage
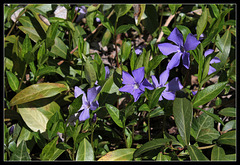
{"x": 114, "y": 82}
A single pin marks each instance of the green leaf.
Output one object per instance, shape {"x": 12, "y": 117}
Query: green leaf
{"x": 229, "y": 111}
{"x": 207, "y": 94}
{"x": 183, "y": 112}
{"x": 51, "y": 151}
{"x": 51, "y": 34}
{"x": 106, "y": 38}
{"x": 207, "y": 135}
{"x": 90, "y": 20}
{"x": 228, "y": 138}
{"x": 151, "y": 23}
{"x": 133, "y": 59}
{"x": 144, "y": 107}
{"x": 125, "y": 154}
{"x": 37, "y": 113}
{"x": 37, "y": 91}
{"x": 42, "y": 55}
{"x": 90, "y": 73}
{"x": 202, "y": 22}
{"x": 196, "y": 154}
{"x": 153, "y": 99}
{"x": 162, "y": 157}
{"x": 157, "y": 112}
{"x": 129, "y": 111}
{"x": 125, "y": 50}
{"x": 59, "y": 48}
{"x": 174, "y": 7}
{"x": 75, "y": 105}
{"x": 155, "y": 62}
{"x": 105, "y": 22}
{"x": 115, "y": 114}
{"x": 229, "y": 126}
{"x": 20, "y": 153}
{"x": 184, "y": 30}
{"x": 123, "y": 28}
{"x": 215, "y": 10}
{"x": 151, "y": 145}
{"x": 225, "y": 44}
{"x": 93, "y": 8}
{"x": 12, "y": 81}
{"x": 231, "y": 157}
{"x": 122, "y": 9}
{"x": 26, "y": 46}
{"x": 166, "y": 30}
{"x": 85, "y": 151}
{"x": 218, "y": 154}
{"x": 139, "y": 17}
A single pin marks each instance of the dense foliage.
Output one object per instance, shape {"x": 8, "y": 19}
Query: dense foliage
{"x": 119, "y": 82}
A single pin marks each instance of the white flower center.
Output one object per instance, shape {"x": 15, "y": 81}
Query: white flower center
{"x": 136, "y": 86}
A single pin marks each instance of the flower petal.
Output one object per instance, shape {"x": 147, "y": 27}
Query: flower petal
{"x": 126, "y": 88}
{"x": 84, "y": 115}
{"x": 94, "y": 105}
{"x": 164, "y": 77}
{"x": 98, "y": 88}
{"x": 78, "y": 91}
{"x": 207, "y": 52}
{"x": 127, "y": 78}
{"x": 136, "y": 94}
{"x": 215, "y": 60}
{"x": 146, "y": 84}
{"x": 168, "y": 95}
{"x": 174, "y": 61}
{"x": 211, "y": 70}
{"x": 186, "y": 59}
{"x": 155, "y": 81}
{"x": 191, "y": 42}
{"x": 107, "y": 72}
{"x": 91, "y": 94}
{"x": 138, "y": 75}
{"x": 167, "y": 48}
{"x": 176, "y": 37}
{"x": 174, "y": 85}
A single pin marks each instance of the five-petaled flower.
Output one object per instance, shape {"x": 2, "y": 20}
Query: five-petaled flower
{"x": 171, "y": 87}
{"x": 135, "y": 85}
{"x": 214, "y": 60}
{"x": 181, "y": 49}
{"x": 87, "y": 101}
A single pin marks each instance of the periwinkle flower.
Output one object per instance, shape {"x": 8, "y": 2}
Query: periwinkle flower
{"x": 135, "y": 85}
{"x": 180, "y": 49}
{"x": 214, "y": 60}
{"x": 98, "y": 20}
{"x": 107, "y": 72}
{"x": 139, "y": 49}
{"x": 171, "y": 87}
{"x": 82, "y": 11}
{"x": 87, "y": 101}
{"x": 11, "y": 130}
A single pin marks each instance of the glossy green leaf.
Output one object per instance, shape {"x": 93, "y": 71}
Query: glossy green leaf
{"x": 51, "y": 34}
{"x": 196, "y": 154}
{"x": 129, "y": 111}
{"x": 12, "y": 81}
{"x": 153, "y": 99}
{"x": 174, "y": 7}
{"x": 225, "y": 44}
{"x": 122, "y": 9}
{"x": 208, "y": 93}
{"x": 229, "y": 111}
{"x": 37, "y": 113}
{"x": 51, "y": 151}
{"x": 93, "y": 8}
{"x": 20, "y": 153}
{"x": 26, "y": 46}
{"x": 155, "y": 62}
{"x": 207, "y": 135}
{"x": 229, "y": 126}
{"x": 151, "y": 145}
{"x": 37, "y": 91}
{"x": 42, "y": 55}
{"x": 202, "y": 22}
{"x": 218, "y": 154}
{"x": 183, "y": 112}
{"x": 90, "y": 73}
{"x": 184, "y": 30}
{"x": 144, "y": 107}
{"x": 59, "y": 48}
{"x": 85, "y": 151}
{"x": 231, "y": 157}
{"x": 162, "y": 157}
{"x": 90, "y": 20}
{"x": 125, "y": 154}
{"x": 133, "y": 59}
{"x": 157, "y": 112}
{"x": 25, "y": 135}
{"x": 125, "y": 50}
{"x": 228, "y": 138}
{"x": 115, "y": 114}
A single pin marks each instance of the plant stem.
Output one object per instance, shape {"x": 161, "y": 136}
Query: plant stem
{"x": 124, "y": 136}
{"x": 149, "y": 133}
{"x": 115, "y": 41}
{"x": 24, "y": 73}
{"x": 206, "y": 147}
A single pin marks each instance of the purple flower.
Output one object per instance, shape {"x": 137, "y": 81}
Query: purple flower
{"x": 171, "y": 87}
{"x": 82, "y": 11}
{"x": 139, "y": 49}
{"x": 107, "y": 72}
{"x": 87, "y": 101}
{"x": 11, "y": 130}
{"x": 98, "y": 19}
{"x": 214, "y": 60}
{"x": 181, "y": 49}
{"x": 135, "y": 85}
